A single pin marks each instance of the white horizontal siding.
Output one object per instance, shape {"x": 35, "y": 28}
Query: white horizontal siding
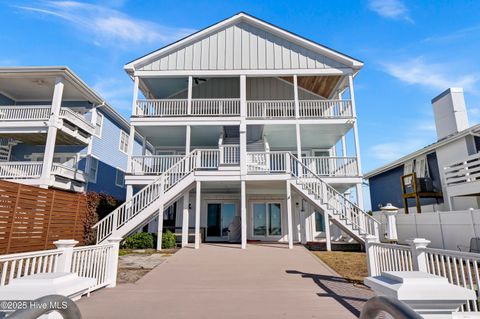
{"x": 241, "y": 47}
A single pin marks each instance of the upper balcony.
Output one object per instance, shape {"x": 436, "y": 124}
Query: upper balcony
{"x": 257, "y": 109}
{"x": 29, "y": 123}
{"x": 462, "y": 178}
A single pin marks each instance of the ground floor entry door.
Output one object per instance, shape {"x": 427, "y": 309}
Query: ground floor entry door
{"x": 219, "y": 218}
{"x": 267, "y": 220}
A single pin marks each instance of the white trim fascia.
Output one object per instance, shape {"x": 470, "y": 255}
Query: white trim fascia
{"x": 184, "y": 121}
{"x": 257, "y": 73}
{"x": 256, "y": 22}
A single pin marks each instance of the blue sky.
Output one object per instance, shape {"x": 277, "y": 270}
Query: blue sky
{"x": 412, "y": 50}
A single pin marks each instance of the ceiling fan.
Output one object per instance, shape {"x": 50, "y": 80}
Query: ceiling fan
{"x": 198, "y": 80}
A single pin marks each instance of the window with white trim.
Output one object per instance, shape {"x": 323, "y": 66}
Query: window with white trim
{"x": 99, "y": 125}
{"x": 120, "y": 178}
{"x": 123, "y": 142}
{"x": 92, "y": 174}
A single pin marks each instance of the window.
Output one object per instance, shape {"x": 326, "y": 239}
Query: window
{"x": 98, "y": 125}
{"x": 123, "y": 141}
{"x": 92, "y": 175}
{"x": 120, "y": 178}
{"x": 319, "y": 222}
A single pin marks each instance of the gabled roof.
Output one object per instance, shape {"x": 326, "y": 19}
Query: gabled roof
{"x": 423, "y": 151}
{"x": 226, "y": 38}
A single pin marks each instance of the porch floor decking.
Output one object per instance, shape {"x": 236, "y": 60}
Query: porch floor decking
{"x": 223, "y": 281}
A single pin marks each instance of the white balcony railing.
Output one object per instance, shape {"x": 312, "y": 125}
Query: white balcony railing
{"x": 179, "y": 107}
{"x": 42, "y": 113}
{"x": 153, "y": 164}
{"x": 28, "y": 170}
{"x": 332, "y": 166}
{"x": 271, "y": 109}
{"x": 20, "y": 170}
{"x": 229, "y": 154}
{"x": 466, "y": 171}
{"x": 325, "y": 108}
{"x": 25, "y": 113}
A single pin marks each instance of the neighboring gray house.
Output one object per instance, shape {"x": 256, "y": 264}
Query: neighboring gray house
{"x": 447, "y": 171}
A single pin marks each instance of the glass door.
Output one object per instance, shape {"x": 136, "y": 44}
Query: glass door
{"x": 219, "y": 218}
{"x": 267, "y": 219}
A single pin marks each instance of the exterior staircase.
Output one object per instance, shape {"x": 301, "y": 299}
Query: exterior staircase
{"x": 5, "y": 148}
{"x": 169, "y": 186}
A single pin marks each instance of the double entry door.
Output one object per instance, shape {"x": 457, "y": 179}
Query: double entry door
{"x": 266, "y": 220}
{"x": 219, "y": 217}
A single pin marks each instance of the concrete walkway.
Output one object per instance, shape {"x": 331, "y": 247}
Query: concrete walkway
{"x": 223, "y": 281}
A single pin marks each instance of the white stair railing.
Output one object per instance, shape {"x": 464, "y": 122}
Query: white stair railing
{"x": 337, "y": 203}
{"x": 198, "y": 159}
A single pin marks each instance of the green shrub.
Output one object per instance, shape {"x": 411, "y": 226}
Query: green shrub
{"x": 168, "y": 240}
{"x": 139, "y": 241}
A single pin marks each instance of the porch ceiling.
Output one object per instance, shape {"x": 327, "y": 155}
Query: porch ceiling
{"x": 312, "y": 136}
{"x": 176, "y": 135}
{"x": 41, "y": 138}
{"x": 321, "y": 85}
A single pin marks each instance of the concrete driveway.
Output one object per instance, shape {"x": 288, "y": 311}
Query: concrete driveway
{"x": 223, "y": 281}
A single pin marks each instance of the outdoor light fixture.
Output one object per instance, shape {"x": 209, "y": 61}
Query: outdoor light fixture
{"x": 303, "y": 209}
{"x": 189, "y": 205}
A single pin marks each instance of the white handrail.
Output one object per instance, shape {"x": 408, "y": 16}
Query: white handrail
{"x": 153, "y": 164}
{"x": 25, "y": 112}
{"x": 271, "y": 109}
{"x": 23, "y": 264}
{"x": 20, "y": 170}
{"x": 230, "y": 154}
{"x": 325, "y": 108}
{"x": 331, "y": 165}
{"x": 198, "y": 159}
{"x": 179, "y": 107}
{"x": 93, "y": 262}
{"x": 216, "y": 107}
{"x": 77, "y": 119}
{"x": 466, "y": 171}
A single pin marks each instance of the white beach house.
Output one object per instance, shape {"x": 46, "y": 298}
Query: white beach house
{"x": 245, "y": 128}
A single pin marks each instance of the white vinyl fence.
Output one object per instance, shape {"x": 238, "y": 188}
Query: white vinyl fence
{"x": 446, "y": 230}
{"x": 97, "y": 261}
{"x": 460, "y": 268}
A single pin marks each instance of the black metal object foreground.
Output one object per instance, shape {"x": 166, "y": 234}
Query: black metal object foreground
{"x": 394, "y": 307}
{"x": 61, "y": 304}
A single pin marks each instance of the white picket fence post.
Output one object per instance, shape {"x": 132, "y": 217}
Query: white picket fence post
{"x": 371, "y": 257}
{"x": 113, "y": 262}
{"x": 419, "y": 260}
{"x": 64, "y": 263}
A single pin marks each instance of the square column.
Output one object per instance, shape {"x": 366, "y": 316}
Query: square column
{"x": 243, "y": 214}
{"x": 131, "y": 142}
{"x": 198, "y": 203}
{"x": 289, "y": 216}
{"x": 52, "y": 132}
{"x": 185, "y": 220}
{"x": 328, "y": 236}
{"x": 160, "y": 227}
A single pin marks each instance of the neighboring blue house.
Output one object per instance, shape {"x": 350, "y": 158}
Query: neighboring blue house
{"x": 55, "y": 131}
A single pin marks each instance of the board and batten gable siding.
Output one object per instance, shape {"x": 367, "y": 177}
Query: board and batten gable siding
{"x": 257, "y": 89}
{"x": 240, "y": 46}
{"x": 106, "y": 149}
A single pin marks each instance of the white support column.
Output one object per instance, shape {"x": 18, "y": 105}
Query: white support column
{"x": 328, "y": 236}
{"x": 160, "y": 227}
{"x": 144, "y": 145}
{"x": 344, "y": 146}
{"x": 372, "y": 265}
{"x": 198, "y": 204}
{"x": 356, "y": 140}
{"x": 129, "y": 192}
{"x": 131, "y": 141}
{"x": 113, "y": 264}
{"x": 295, "y": 96}
{"x": 136, "y": 81}
{"x": 52, "y": 132}
{"x": 188, "y": 134}
{"x": 289, "y": 216}
{"x": 243, "y": 213}
{"x": 419, "y": 259}
{"x": 299, "y": 148}
{"x": 243, "y": 125}
{"x": 189, "y": 94}
{"x": 185, "y": 219}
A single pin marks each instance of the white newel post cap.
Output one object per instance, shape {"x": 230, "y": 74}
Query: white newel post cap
{"x": 418, "y": 242}
{"x": 114, "y": 240}
{"x": 65, "y": 243}
{"x": 371, "y": 239}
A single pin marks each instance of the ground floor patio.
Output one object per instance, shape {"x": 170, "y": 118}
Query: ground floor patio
{"x": 224, "y": 281}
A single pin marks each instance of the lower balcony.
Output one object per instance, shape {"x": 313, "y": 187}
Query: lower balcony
{"x": 257, "y": 163}
{"x": 29, "y": 123}
{"x": 30, "y": 173}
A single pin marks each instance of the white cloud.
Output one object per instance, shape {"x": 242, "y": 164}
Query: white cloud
{"x": 390, "y": 9}
{"x": 103, "y": 24}
{"x": 436, "y": 76}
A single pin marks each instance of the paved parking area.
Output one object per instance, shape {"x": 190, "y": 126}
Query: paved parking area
{"x": 224, "y": 281}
